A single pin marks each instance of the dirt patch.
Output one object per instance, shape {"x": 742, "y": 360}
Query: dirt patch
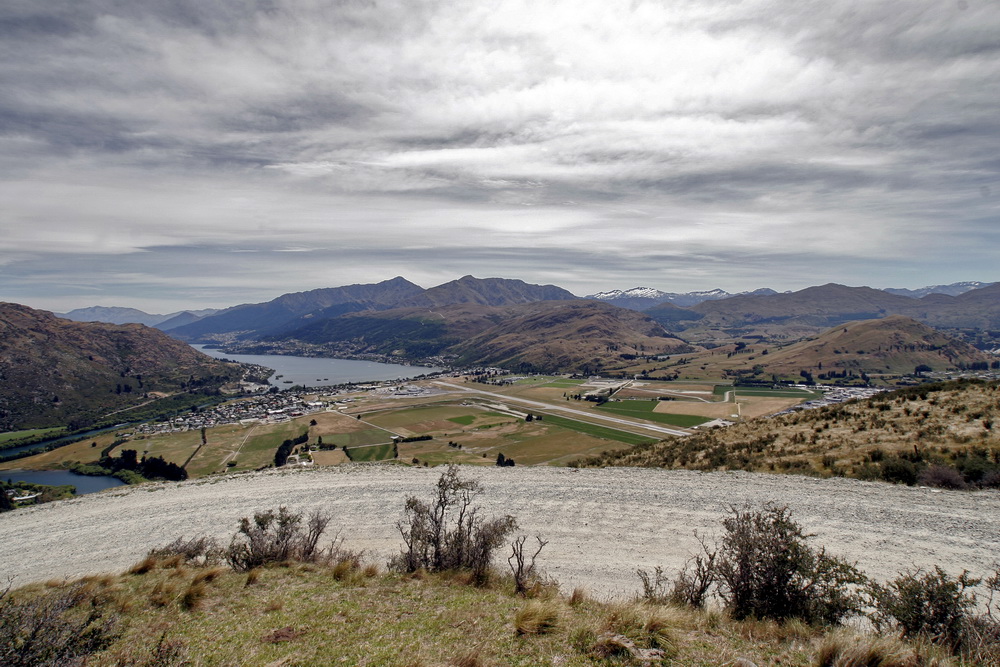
{"x": 601, "y": 524}
{"x": 713, "y": 410}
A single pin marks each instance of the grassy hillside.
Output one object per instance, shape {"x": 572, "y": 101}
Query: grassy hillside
{"x": 914, "y": 435}
{"x": 894, "y": 345}
{"x": 57, "y": 372}
{"x": 271, "y": 600}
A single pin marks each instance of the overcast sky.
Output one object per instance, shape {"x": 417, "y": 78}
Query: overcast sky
{"x": 181, "y": 154}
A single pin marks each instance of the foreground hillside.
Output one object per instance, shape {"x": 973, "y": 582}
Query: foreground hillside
{"x": 941, "y": 434}
{"x": 598, "y": 524}
{"x": 601, "y": 524}
{"x": 55, "y": 371}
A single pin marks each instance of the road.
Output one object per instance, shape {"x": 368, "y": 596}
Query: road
{"x": 601, "y": 524}
{"x": 590, "y": 415}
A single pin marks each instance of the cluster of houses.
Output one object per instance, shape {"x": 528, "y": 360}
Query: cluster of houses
{"x": 277, "y": 407}
{"x": 832, "y": 396}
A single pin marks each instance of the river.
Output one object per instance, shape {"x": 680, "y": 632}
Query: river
{"x": 321, "y": 372}
{"x": 83, "y": 483}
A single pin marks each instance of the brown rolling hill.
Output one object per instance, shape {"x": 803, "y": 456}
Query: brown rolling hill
{"x": 568, "y": 336}
{"x": 54, "y": 371}
{"x": 824, "y": 305}
{"x": 939, "y": 434}
{"x": 833, "y": 304}
{"x": 565, "y": 335}
{"x": 891, "y": 345}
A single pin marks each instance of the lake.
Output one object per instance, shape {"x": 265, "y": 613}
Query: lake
{"x": 83, "y": 483}
{"x": 321, "y": 372}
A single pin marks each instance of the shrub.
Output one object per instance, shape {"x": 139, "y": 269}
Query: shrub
{"x": 195, "y": 551}
{"x": 934, "y": 605}
{"x": 449, "y": 533}
{"x": 522, "y": 567}
{"x": 60, "y": 628}
{"x": 899, "y": 471}
{"x": 942, "y": 477}
{"x": 274, "y": 537}
{"x": 766, "y": 569}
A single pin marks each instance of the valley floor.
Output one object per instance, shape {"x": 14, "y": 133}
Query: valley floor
{"x": 601, "y": 524}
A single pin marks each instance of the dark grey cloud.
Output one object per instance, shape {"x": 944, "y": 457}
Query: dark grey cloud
{"x": 589, "y": 143}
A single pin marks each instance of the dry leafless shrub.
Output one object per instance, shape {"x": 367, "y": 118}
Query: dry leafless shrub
{"x": 449, "y": 533}
{"x": 58, "y": 627}
{"x": 195, "y": 551}
{"x": 522, "y": 566}
{"x": 276, "y": 537}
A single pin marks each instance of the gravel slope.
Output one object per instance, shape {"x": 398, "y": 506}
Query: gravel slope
{"x": 601, "y": 524}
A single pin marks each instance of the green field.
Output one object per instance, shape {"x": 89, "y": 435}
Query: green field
{"x": 564, "y": 383}
{"x": 30, "y": 433}
{"x": 375, "y": 453}
{"x": 644, "y": 410}
{"x": 598, "y": 431}
{"x": 371, "y": 436}
{"x": 721, "y": 389}
{"x": 464, "y": 420}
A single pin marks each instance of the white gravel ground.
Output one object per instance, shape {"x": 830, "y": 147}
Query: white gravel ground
{"x": 601, "y": 524}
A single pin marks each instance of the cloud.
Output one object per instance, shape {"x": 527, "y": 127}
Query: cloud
{"x": 681, "y": 144}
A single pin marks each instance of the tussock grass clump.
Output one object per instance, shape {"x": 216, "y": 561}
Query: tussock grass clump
{"x": 194, "y": 595}
{"x": 849, "y": 649}
{"x": 147, "y": 564}
{"x": 537, "y": 617}
{"x": 209, "y": 575}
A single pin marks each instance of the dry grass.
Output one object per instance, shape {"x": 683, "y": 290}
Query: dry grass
{"x": 307, "y": 616}
{"x": 537, "y": 617}
{"x": 944, "y": 425}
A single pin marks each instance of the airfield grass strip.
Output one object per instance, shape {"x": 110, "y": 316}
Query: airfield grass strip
{"x": 643, "y": 409}
{"x": 598, "y": 431}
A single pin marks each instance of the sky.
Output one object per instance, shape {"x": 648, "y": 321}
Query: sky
{"x": 190, "y": 154}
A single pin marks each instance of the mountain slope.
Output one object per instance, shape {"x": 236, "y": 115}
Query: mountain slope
{"x": 953, "y": 289}
{"x": 824, "y": 305}
{"x": 486, "y": 292}
{"x": 284, "y": 312}
{"x": 572, "y": 336}
{"x": 895, "y": 345}
{"x": 54, "y": 370}
{"x": 113, "y": 315}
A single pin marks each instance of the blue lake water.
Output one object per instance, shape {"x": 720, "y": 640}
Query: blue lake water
{"x": 318, "y": 372}
{"x": 83, "y": 483}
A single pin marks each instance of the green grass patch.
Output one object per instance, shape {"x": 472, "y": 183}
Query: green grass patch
{"x": 564, "y": 383}
{"x": 371, "y": 436}
{"x": 644, "y": 410}
{"x": 464, "y": 420}
{"x": 30, "y": 433}
{"x": 372, "y": 453}
{"x": 598, "y": 431}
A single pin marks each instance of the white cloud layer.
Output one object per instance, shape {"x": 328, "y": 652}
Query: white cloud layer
{"x": 183, "y": 154}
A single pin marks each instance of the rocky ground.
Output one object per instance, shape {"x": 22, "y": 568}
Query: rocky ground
{"x": 601, "y": 524}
